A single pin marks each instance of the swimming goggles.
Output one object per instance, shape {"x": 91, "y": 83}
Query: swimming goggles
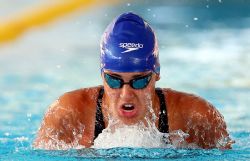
{"x": 136, "y": 83}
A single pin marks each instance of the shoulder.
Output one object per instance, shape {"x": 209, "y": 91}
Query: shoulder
{"x": 197, "y": 117}
{"x": 77, "y": 101}
{"x": 74, "y": 107}
{"x": 187, "y": 103}
{"x": 70, "y": 115}
{"x": 83, "y": 94}
{"x": 80, "y": 99}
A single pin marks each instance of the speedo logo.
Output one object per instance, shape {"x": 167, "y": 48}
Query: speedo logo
{"x": 130, "y": 46}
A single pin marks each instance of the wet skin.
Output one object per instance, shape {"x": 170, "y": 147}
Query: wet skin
{"x": 73, "y": 114}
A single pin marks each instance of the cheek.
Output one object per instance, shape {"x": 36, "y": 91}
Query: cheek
{"x": 114, "y": 95}
{"x": 144, "y": 96}
{"x": 110, "y": 92}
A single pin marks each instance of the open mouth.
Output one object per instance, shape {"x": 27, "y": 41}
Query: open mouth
{"x": 128, "y": 110}
{"x": 128, "y": 107}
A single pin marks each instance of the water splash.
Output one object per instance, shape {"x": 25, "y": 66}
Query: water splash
{"x": 141, "y": 134}
{"x": 131, "y": 136}
{"x": 56, "y": 144}
{"x": 53, "y": 137}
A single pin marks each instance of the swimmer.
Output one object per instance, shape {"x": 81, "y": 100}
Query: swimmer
{"x": 130, "y": 69}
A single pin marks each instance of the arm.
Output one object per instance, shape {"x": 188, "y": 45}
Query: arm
{"x": 69, "y": 121}
{"x": 56, "y": 131}
{"x": 206, "y": 126}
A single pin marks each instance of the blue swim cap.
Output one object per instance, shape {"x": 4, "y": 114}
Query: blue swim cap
{"x": 129, "y": 45}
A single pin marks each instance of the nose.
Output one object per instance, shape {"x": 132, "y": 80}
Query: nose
{"x": 127, "y": 92}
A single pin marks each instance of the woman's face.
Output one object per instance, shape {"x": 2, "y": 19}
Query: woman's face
{"x": 126, "y": 104}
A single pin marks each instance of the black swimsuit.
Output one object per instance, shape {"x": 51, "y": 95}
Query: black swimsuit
{"x": 163, "y": 118}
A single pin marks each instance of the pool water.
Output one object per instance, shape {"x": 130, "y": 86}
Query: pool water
{"x": 204, "y": 49}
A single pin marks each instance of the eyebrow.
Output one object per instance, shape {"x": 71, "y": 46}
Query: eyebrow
{"x": 138, "y": 75}
{"x": 116, "y": 75}
{"x": 134, "y": 76}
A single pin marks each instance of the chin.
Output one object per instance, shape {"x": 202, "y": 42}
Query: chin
{"x": 127, "y": 121}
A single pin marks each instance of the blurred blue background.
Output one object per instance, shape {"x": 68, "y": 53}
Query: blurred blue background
{"x": 204, "y": 49}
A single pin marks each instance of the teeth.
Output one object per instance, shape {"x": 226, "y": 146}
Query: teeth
{"x": 128, "y": 105}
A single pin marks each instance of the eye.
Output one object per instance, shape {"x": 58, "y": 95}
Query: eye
{"x": 142, "y": 82}
{"x": 112, "y": 81}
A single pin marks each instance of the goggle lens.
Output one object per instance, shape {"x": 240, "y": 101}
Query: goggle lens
{"x": 137, "y": 83}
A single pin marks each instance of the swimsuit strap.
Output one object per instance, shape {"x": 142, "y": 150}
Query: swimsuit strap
{"x": 99, "y": 122}
{"x": 163, "y": 118}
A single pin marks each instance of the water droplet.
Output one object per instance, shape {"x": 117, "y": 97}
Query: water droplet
{"x": 154, "y": 15}
{"x": 29, "y": 114}
{"x": 21, "y": 139}
{"x": 128, "y": 4}
{"x": 207, "y": 6}
{"x": 187, "y": 26}
{"x": 58, "y": 66}
{"x": 220, "y": 1}
{"x": 196, "y": 18}
{"x": 148, "y": 9}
